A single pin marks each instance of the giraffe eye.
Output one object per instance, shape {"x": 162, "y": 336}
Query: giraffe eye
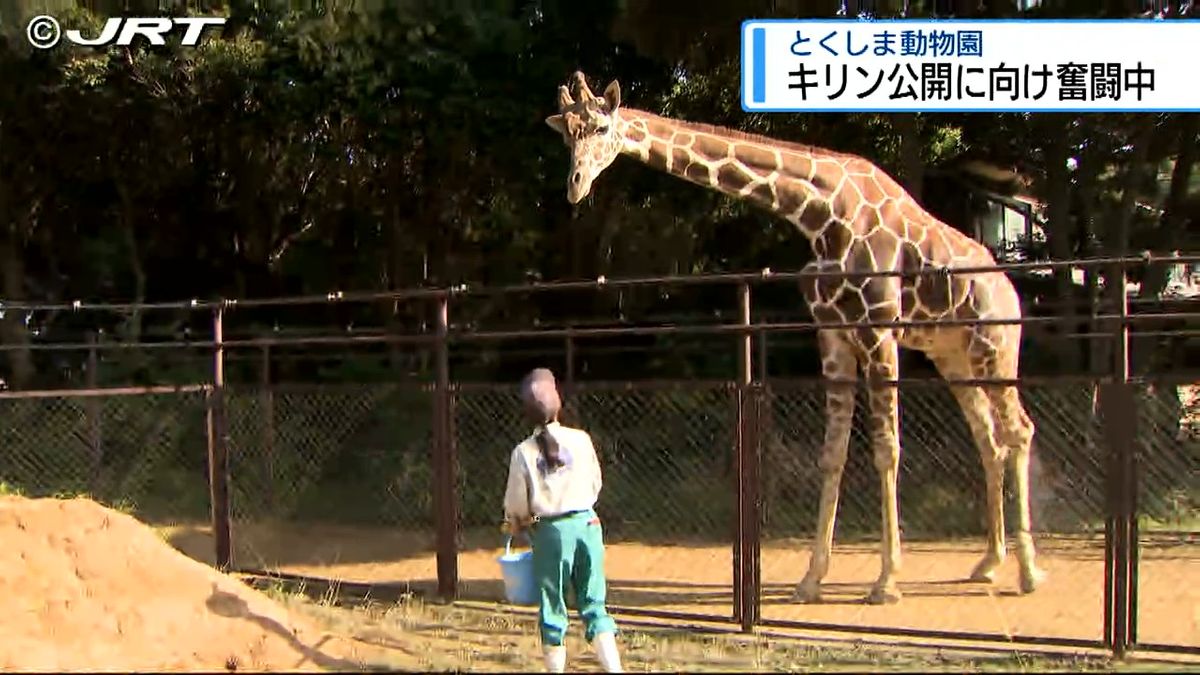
{"x": 600, "y": 131}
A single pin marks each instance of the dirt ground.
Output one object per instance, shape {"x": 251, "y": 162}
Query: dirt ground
{"x": 483, "y": 637}
{"x": 698, "y": 579}
{"x": 87, "y": 588}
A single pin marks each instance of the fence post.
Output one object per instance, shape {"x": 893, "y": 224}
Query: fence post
{"x": 218, "y": 448}
{"x": 570, "y": 358}
{"x": 1129, "y": 462}
{"x": 1118, "y": 411}
{"x": 746, "y": 542}
{"x": 445, "y": 499}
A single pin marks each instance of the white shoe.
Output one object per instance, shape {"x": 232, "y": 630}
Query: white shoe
{"x": 556, "y": 659}
{"x": 605, "y": 645}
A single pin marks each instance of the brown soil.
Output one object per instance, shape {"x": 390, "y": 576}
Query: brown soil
{"x": 697, "y": 579}
{"x": 83, "y": 587}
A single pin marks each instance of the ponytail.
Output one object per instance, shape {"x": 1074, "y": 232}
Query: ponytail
{"x": 549, "y": 448}
{"x": 539, "y": 397}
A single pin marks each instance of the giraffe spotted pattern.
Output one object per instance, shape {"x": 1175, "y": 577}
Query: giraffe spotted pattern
{"x": 857, "y": 219}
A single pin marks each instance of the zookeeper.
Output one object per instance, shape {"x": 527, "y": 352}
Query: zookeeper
{"x": 553, "y": 483}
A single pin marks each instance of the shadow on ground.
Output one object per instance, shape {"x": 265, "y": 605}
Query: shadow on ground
{"x": 231, "y": 606}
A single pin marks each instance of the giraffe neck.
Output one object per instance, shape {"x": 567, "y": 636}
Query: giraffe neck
{"x": 799, "y": 183}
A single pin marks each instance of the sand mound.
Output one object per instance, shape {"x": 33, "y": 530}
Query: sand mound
{"x": 83, "y": 587}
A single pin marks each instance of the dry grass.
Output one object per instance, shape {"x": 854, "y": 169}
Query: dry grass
{"x": 698, "y": 578}
{"x": 413, "y": 635}
{"x": 486, "y": 635}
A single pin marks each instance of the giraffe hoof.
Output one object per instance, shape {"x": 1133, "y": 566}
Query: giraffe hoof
{"x": 883, "y": 595}
{"x": 983, "y": 576}
{"x": 985, "y": 571}
{"x": 808, "y": 593}
{"x": 1031, "y": 580}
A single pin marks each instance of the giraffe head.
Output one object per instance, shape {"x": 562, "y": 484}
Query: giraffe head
{"x": 588, "y": 126}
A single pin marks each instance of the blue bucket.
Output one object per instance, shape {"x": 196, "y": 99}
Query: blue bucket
{"x": 517, "y": 568}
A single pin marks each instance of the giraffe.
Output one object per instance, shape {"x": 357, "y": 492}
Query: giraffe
{"x": 856, "y": 218}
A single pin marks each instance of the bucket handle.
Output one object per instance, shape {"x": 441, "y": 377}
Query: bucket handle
{"x": 508, "y": 543}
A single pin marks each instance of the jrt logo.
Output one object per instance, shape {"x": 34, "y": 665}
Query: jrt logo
{"x": 44, "y": 32}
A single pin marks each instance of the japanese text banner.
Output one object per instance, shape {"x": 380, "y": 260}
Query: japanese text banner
{"x": 1014, "y": 65}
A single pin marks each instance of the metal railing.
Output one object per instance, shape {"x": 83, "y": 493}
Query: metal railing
{"x": 723, "y": 467}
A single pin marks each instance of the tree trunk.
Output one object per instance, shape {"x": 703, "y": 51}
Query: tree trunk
{"x": 1121, "y": 8}
{"x": 965, "y": 8}
{"x": 1120, "y": 222}
{"x": 394, "y": 280}
{"x": 394, "y": 277}
{"x": 133, "y": 325}
{"x": 1058, "y": 233}
{"x": 1170, "y": 231}
{"x": 912, "y": 167}
{"x": 996, "y": 9}
{"x": 13, "y": 330}
{"x": 1090, "y": 165}
{"x": 1149, "y": 351}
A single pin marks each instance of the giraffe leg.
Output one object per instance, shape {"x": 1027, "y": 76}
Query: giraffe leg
{"x": 1015, "y": 430}
{"x": 837, "y": 361}
{"x": 882, "y": 363}
{"x": 977, "y": 409}
{"x": 997, "y": 353}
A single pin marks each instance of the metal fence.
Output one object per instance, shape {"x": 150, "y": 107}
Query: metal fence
{"x": 710, "y": 490}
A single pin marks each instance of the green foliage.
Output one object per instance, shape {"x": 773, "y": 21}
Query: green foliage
{"x": 390, "y": 145}
{"x": 306, "y": 151}
{"x": 142, "y": 454}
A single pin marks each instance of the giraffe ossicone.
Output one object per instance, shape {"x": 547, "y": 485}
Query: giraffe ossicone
{"x": 856, "y": 218}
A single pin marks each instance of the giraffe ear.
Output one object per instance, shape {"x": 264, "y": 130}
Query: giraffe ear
{"x": 564, "y": 99}
{"x": 557, "y": 123}
{"x": 612, "y": 95}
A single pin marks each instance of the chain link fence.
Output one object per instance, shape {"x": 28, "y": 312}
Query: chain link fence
{"x": 941, "y": 474}
{"x": 1168, "y": 600}
{"x": 143, "y": 453}
{"x": 333, "y": 481}
{"x": 667, "y": 504}
{"x": 942, "y": 514}
{"x": 337, "y": 482}
{"x": 370, "y": 481}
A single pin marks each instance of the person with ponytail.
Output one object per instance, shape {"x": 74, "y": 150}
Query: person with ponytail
{"x": 554, "y": 481}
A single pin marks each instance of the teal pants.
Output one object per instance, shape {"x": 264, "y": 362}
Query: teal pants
{"x": 568, "y": 554}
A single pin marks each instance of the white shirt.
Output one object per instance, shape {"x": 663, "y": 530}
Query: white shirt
{"x": 573, "y": 487}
